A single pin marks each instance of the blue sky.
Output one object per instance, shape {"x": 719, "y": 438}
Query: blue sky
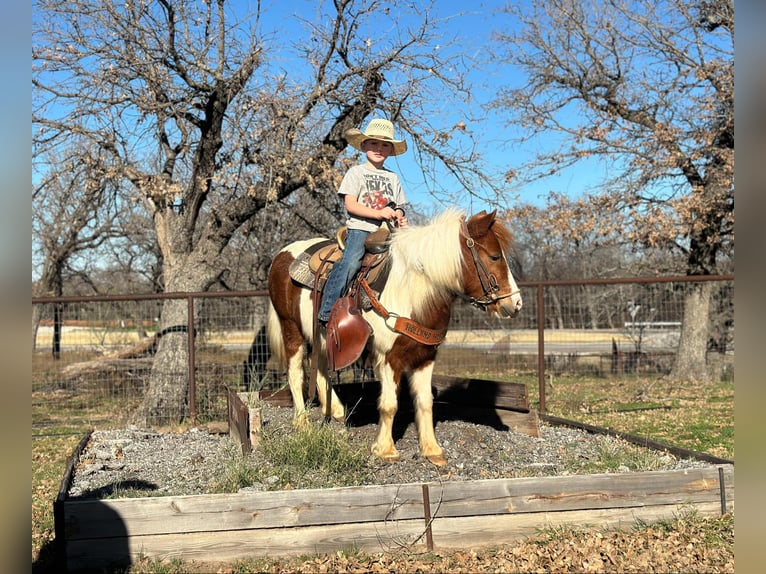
{"x": 473, "y": 23}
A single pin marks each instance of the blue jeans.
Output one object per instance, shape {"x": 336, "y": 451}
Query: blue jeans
{"x": 343, "y": 271}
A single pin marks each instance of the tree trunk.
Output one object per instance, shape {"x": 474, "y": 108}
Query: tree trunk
{"x": 166, "y": 401}
{"x": 591, "y": 318}
{"x": 690, "y": 363}
{"x": 557, "y": 321}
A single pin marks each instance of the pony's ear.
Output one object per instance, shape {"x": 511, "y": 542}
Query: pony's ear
{"x": 480, "y": 223}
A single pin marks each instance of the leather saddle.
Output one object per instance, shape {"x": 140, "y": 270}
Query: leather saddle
{"x": 347, "y": 331}
{"x": 347, "y": 334}
{"x": 320, "y": 258}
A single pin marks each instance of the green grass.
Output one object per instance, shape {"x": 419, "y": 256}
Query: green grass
{"x": 49, "y": 456}
{"x": 713, "y": 532}
{"x": 695, "y": 417}
{"x": 316, "y": 456}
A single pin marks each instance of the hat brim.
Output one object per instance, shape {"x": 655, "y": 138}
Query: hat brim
{"x": 356, "y": 138}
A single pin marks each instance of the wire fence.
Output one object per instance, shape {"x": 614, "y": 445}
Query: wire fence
{"x": 93, "y": 357}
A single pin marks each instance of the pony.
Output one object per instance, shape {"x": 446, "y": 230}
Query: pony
{"x": 431, "y": 266}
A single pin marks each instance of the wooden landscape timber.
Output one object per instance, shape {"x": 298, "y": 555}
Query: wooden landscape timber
{"x": 97, "y": 534}
{"x": 227, "y": 527}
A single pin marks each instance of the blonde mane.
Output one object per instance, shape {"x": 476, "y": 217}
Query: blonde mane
{"x": 426, "y": 260}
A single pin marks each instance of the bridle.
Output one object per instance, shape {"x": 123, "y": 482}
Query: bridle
{"x": 488, "y": 280}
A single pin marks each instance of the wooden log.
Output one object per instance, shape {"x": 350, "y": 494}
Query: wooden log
{"x": 139, "y": 354}
{"x": 238, "y": 421}
{"x": 277, "y": 397}
{"x": 228, "y": 546}
{"x": 452, "y": 532}
{"x": 522, "y": 422}
{"x": 106, "y": 365}
{"x": 481, "y": 392}
{"x": 87, "y": 519}
{"x": 100, "y": 533}
{"x": 92, "y": 519}
{"x": 476, "y": 531}
{"x": 254, "y": 419}
{"x": 579, "y": 492}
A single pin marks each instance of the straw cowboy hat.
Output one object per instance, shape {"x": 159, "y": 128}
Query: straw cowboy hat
{"x": 377, "y": 129}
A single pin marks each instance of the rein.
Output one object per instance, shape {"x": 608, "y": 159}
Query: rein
{"x": 404, "y": 325}
{"x": 488, "y": 280}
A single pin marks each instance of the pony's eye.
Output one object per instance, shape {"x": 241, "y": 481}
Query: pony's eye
{"x": 495, "y": 258}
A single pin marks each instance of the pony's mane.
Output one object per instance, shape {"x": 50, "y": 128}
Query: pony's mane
{"x": 428, "y": 257}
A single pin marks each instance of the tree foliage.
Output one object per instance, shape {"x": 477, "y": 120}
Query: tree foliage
{"x": 646, "y": 87}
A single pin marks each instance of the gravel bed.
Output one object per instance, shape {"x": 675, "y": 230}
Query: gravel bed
{"x": 192, "y": 462}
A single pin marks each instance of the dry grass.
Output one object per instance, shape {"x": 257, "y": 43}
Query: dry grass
{"x": 688, "y": 543}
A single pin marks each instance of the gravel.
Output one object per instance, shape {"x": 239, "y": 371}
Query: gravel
{"x": 195, "y": 461}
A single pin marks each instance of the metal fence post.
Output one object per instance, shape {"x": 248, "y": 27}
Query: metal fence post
{"x": 192, "y": 360}
{"x": 541, "y": 346}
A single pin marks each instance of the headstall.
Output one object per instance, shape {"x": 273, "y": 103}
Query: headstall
{"x": 488, "y": 280}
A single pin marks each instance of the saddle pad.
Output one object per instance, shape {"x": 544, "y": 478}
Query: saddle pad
{"x": 300, "y": 270}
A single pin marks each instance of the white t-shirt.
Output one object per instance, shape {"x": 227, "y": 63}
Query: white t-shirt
{"x": 372, "y": 188}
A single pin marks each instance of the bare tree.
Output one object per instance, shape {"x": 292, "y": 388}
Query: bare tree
{"x": 194, "y": 106}
{"x": 647, "y": 86}
{"x": 556, "y": 245}
{"x": 74, "y": 210}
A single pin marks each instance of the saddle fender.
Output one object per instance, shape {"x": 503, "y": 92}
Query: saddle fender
{"x": 347, "y": 334}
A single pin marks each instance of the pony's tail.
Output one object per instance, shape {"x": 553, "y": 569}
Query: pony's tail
{"x": 276, "y": 341}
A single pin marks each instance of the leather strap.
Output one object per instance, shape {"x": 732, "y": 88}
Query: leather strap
{"x": 316, "y": 298}
{"x": 405, "y": 325}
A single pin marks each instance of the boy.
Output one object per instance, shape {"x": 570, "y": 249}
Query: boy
{"x": 367, "y": 190}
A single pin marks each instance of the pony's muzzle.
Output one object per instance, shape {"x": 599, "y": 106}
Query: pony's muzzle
{"x": 511, "y": 306}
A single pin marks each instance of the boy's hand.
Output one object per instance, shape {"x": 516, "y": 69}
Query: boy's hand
{"x": 387, "y": 214}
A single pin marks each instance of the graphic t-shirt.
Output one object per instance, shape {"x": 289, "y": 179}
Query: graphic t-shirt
{"x": 372, "y": 188}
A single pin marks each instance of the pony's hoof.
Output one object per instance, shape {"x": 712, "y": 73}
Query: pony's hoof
{"x": 300, "y": 422}
{"x": 387, "y": 455}
{"x": 437, "y": 459}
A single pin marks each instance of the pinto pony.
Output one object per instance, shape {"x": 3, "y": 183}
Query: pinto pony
{"x": 431, "y": 266}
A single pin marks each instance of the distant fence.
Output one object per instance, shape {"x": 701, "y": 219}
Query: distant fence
{"x": 98, "y": 350}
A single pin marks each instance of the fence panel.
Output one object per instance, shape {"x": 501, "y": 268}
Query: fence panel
{"x": 93, "y": 356}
